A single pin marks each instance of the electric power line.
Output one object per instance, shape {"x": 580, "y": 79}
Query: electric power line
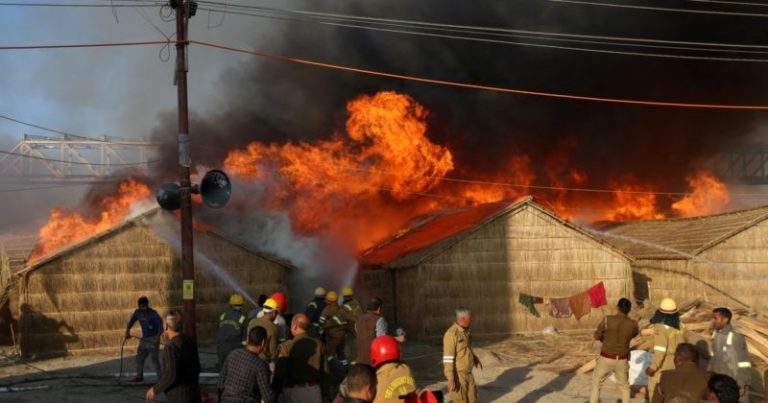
{"x": 667, "y": 9}
{"x": 479, "y": 86}
{"x": 468, "y": 28}
{"x": 85, "y": 45}
{"x": 536, "y": 45}
{"x": 81, "y": 5}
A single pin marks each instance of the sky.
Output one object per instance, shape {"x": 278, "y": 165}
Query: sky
{"x": 234, "y": 98}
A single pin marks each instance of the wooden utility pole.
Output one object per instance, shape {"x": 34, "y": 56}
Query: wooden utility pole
{"x": 182, "y": 9}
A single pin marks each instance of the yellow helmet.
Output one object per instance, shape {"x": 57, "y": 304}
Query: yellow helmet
{"x": 346, "y": 291}
{"x": 331, "y": 296}
{"x": 319, "y": 292}
{"x": 668, "y": 305}
{"x": 270, "y": 305}
{"x": 236, "y": 299}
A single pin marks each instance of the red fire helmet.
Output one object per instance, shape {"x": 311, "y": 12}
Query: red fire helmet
{"x": 426, "y": 396}
{"x": 280, "y": 298}
{"x": 383, "y": 349}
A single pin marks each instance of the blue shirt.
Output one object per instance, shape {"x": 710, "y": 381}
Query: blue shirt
{"x": 151, "y": 323}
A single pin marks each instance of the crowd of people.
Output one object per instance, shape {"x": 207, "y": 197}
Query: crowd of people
{"x": 337, "y": 352}
{"x": 674, "y": 374}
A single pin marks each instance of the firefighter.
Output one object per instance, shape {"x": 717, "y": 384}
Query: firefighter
{"x": 668, "y": 332}
{"x": 266, "y": 320}
{"x": 334, "y": 327}
{"x": 314, "y": 309}
{"x": 280, "y": 319}
{"x": 459, "y": 359}
{"x": 350, "y": 313}
{"x": 232, "y": 326}
{"x": 352, "y": 308}
{"x": 395, "y": 379}
{"x": 729, "y": 352}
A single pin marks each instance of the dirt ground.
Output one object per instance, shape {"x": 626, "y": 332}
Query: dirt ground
{"x": 516, "y": 369}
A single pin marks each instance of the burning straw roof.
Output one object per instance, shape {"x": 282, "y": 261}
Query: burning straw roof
{"x": 435, "y": 233}
{"x": 690, "y": 236}
{"x": 150, "y": 217}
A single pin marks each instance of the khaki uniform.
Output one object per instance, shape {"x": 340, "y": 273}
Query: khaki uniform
{"x": 731, "y": 357}
{"x": 394, "y": 379}
{"x": 615, "y": 331}
{"x": 269, "y": 353}
{"x": 687, "y": 383}
{"x": 665, "y": 341}
{"x": 458, "y": 361}
{"x": 335, "y": 327}
{"x": 351, "y": 312}
{"x": 299, "y": 369}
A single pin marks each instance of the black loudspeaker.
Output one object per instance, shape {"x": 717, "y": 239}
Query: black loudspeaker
{"x": 169, "y": 197}
{"x": 215, "y": 189}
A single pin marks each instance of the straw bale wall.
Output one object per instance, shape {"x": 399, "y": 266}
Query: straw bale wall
{"x": 526, "y": 251}
{"x": 734, "y": 272}
{"x": 80, "y": 302}
{"x": 731, "y": 273}
{"x": 670, "y": 278}
{"x": 377, "y": 283}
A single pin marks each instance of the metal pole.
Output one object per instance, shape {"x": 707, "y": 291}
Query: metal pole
{"x": 187, "y": 255}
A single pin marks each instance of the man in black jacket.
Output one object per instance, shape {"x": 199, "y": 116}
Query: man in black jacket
{"x": 181, "y": 365}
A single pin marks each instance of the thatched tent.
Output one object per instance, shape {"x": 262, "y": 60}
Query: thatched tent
{"x": 483, "y": 258}
{"x": 722, "y": 257}
{"x": 79, "y": 299}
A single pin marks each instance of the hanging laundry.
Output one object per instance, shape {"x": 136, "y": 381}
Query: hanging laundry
{"x": 528, "y": 301}
{"x": 597, "y": 295}
{"x": 580, "y": 304}
{"x": 559, "y": 307}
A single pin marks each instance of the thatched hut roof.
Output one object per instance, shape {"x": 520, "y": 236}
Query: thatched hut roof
{"x": 150, "y": 217}
{"x": 431, "y": 235}
{"x": 665, "y": 239}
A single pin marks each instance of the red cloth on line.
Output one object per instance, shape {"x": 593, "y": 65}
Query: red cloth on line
{"x": 597, "y": 295}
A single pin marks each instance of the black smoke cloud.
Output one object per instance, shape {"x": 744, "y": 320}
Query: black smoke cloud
{"x": 272, "y": 101}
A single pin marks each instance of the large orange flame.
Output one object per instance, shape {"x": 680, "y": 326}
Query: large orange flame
{"x": 340, "y": 185}
{"x": 632, "y": 201}
{"x": 64, "y": 228}
{"x": 709, "y": 196}
{"x": 369, "y": 180}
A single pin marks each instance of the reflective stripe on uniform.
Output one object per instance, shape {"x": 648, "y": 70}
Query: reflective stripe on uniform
{"x": 660, "y": 348}
{"x": 448, "y": 359}
{"x": 312, "y": 304}
{"x": 348, "y": 307}
{"x": 729, "y": 339}
{"x": 322, "y": 319}
{"x": 242, "y": 319}
{"x": 339, "y": 321}
{"x": 745, "y": 364}
{"x": 222, "y": 316}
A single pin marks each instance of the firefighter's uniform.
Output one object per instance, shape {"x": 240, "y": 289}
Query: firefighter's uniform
{"x": 351, "y": 311}
{"x": 665, "y": 341}
{"x": 458, "y": 361}
{"x": 730, "y": 357}
{"x": 231, "y": 333}
{"x": 335, "y": 328}
{"x": 394, "y": 379}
